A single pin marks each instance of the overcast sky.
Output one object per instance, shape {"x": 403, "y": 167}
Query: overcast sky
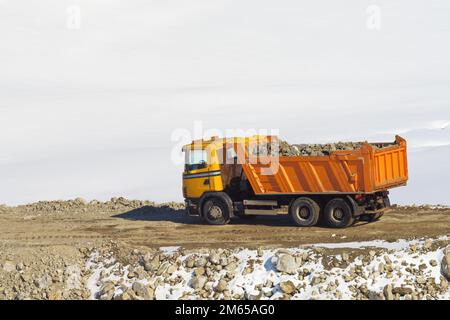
{"x": 88, "y": 105}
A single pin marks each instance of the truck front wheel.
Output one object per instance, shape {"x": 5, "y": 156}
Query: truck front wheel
{"x": 215, "y": 211}
{"x": 304, "y": 211}
{"x": 338, "y": 214}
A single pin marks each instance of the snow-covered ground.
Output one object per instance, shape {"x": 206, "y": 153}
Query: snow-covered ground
{"x": 406, "y": 269}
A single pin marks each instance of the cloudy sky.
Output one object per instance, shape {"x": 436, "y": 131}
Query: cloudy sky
{"x": 91, "y": 91}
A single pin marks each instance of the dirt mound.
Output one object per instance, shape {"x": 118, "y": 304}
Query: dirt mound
{"x": 79, "y": 205}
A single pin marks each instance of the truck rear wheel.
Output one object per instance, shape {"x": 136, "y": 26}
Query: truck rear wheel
{"x": 338, "y": 214}
{"x": 215, "y": 211}
{"x": 304, "y": 211}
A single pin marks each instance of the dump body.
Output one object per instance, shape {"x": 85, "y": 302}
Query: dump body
{"x": 366, "y": 170}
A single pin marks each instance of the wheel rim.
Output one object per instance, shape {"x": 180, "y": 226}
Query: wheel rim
{"x": 304, "y": 213}
{"x": 215, "y": 212}
{"x": 338, "y": 214}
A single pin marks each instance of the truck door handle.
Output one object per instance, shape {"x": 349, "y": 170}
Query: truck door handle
{"x": 206, "y": 182}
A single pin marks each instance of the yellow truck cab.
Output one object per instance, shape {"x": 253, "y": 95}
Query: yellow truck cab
{"x": 219, "y": 181}
{"x": 210, "y": 172}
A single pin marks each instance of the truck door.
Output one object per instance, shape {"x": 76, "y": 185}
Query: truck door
{"x": 196, "y": 175}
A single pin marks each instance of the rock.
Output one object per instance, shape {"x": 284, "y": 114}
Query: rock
{"x": 433, "y": 263}
{"x": 189, "y": 262}
{"x": 143, "y": 291}
{"x": 316, "y": 281}
{"x": 42, "y": 282}
{"x": 200, "y": 262}
{"x": 163, "y": 268}
{"x": 387, "y": 291}
{"x": 387, "y": 259}
{"x": 107, "y": 291}
{"x": 253, "y": 295}
{"x": 223, "y": 261}
{"x": 198, "y": 282}
{"x": 231, "y": 266}
{"x": 152, "y": 265}
{"x": 423, "y": 266}
{"x": 8, "y": 266}
{"x": 260, "y": 252}
{"x": 27, "y": 278}
{"x": 428, "y": 243}
{"x": 445, "y": 264}
{"x": 128, "y": 294}
{"x": 287, "y": 287}
{"x": 214, "y": 258}
{"x": 222, "y": 285}
{"x": 286, "y": 263}
{"x": 443, "y": 284}
{"x": 55, "y": 295}
{"x": 171, "y": 269}
{"x": 372, "y": 295}
{"x": 81, "y": 201}
{"x": 420, "y": 280}
{"x": 402, "y": 291}
{"x": 123, "y": 296}
{"x": 345, "y": 257}
{"x": 199, "y": 271}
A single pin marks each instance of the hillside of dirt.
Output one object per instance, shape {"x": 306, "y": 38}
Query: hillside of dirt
{"x": 132, "y": 249}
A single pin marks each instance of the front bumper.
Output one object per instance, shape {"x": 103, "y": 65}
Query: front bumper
{"x": 191, "y": 207}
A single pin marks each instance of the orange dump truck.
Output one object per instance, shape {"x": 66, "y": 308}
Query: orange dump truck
{"x": 224, "y": 178}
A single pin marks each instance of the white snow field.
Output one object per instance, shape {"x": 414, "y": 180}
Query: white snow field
{"x": 89, "y": 103}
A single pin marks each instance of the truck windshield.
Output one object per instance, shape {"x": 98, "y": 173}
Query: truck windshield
{"x": 195, "y": 159}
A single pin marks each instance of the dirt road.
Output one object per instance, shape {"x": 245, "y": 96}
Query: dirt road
{"x": 112, "y": 250}
{"x": 141, "y": 223}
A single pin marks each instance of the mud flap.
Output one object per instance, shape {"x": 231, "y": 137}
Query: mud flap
{"x": 357, "y": 210}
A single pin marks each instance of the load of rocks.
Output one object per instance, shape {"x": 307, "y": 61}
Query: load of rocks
{"x": 286, "y": 149}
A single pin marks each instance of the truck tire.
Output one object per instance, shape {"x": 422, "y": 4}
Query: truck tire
{"x": 338, "y": 213}
{"x": 215, "y": 210}
{"x": 304, "y": 211}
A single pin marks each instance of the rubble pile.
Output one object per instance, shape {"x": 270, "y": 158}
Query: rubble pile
{"x": 286, "y": 149}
